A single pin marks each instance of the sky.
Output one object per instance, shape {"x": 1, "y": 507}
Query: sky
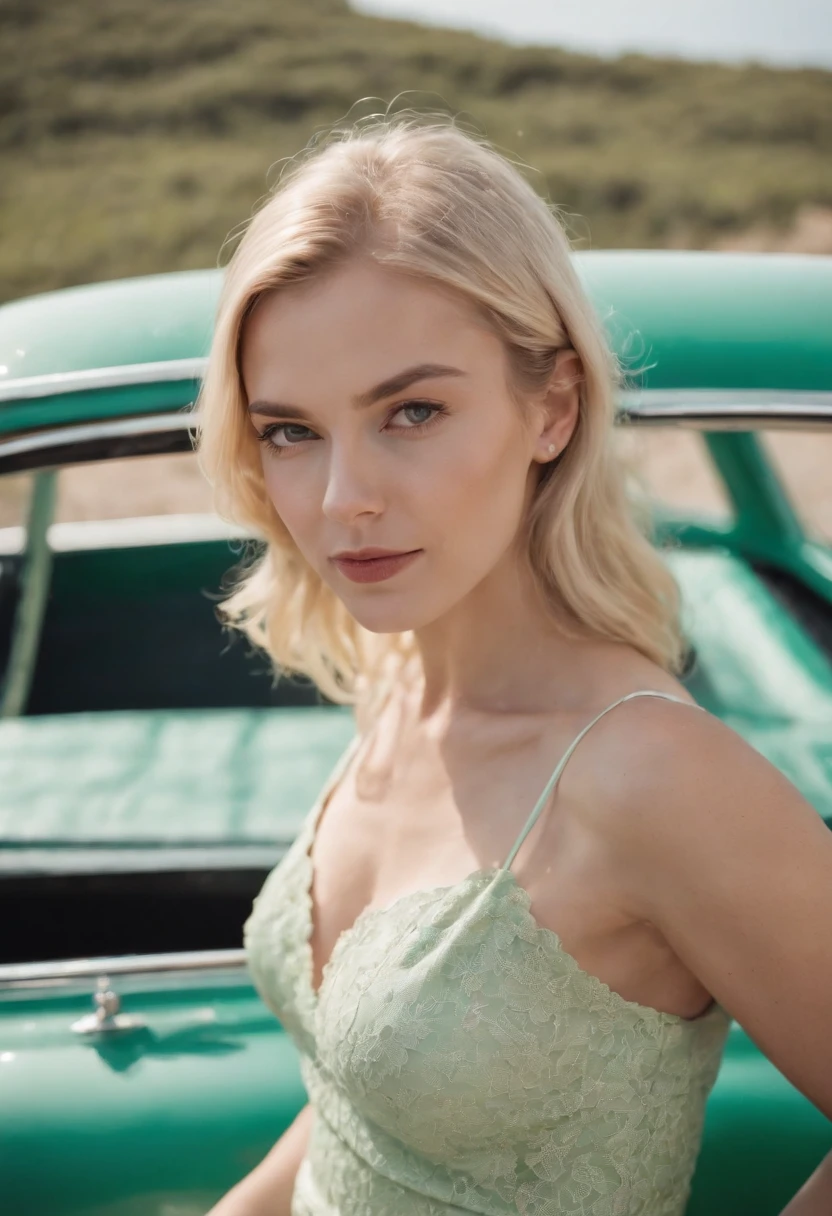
{"x": 780, "y": 32}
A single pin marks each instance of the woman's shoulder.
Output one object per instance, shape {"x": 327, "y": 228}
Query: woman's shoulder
{"x": 724, "y": 857}
{"x": 664, "y": 775}
{"x": 646, "y": 757}
{"x": 641, "y": 748}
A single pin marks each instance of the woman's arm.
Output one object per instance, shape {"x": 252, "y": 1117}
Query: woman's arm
{"x": 733, "y": 867}
{"x": 267, "y": 1189}
{"x": 815, "y": 1196}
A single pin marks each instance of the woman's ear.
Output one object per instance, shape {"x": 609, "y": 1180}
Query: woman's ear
{"x": 561, "y": 400}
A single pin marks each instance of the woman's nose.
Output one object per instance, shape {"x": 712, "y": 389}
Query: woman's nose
{"x": 353, "y": 485}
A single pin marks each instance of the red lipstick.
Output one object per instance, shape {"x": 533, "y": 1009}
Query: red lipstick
{"x": 376, "y": 565}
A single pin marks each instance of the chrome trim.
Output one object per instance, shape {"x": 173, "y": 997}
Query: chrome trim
{"x": 110, "y": 428}
{"x": 26, "y": 863}
{"x": 12, "y": 541}
{"x": 56, "y": 383}
{"x": 112, "y": 439}
{"x": 12, "y": 974}
{"x": 125, "y": 533}
{"x": 727, "y": 410}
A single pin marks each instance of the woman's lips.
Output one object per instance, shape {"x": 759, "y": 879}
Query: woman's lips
{"x": 374, "y": 569}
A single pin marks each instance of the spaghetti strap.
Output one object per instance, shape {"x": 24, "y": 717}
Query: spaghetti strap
{"x": 550, "y": 784}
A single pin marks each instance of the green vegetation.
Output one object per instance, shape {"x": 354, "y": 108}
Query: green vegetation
{"x": 137, "y": 134}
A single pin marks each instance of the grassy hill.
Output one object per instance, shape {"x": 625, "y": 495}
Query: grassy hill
{"x": 136, "y": 134}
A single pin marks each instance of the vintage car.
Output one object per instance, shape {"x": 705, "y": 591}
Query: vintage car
{"x": 152, "y": 771}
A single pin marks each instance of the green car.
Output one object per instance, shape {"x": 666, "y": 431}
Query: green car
{"x": 152, "y": 771}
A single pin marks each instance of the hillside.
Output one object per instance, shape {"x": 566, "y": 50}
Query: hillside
{"x": 136, "y": 134}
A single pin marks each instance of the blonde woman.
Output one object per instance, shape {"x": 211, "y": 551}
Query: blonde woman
{"x": 511, "y": 935}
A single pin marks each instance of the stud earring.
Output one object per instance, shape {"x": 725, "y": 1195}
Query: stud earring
{"x": 551, "y": 447}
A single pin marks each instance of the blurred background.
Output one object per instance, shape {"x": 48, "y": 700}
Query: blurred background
{"x": 137, "y": 135}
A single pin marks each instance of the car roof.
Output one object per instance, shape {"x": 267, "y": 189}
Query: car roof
{"x": 678, "y": 320}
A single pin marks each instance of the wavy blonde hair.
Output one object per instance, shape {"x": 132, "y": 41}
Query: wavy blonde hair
{"x": 422, "y": 196}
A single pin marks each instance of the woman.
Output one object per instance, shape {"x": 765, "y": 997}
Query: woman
{"x": 497, "y": 1011}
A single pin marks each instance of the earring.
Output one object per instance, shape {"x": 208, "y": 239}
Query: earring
{"x": 551, "y": 447}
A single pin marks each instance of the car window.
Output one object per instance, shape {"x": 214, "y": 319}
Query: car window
{"x": 140, "y": 486}
{"x": 803, "y": 462}
{"x": 15, "y": 490}
{"x": 673, "y": 467}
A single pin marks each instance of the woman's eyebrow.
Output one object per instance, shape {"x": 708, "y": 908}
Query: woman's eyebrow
{"x": 387, "y": 388}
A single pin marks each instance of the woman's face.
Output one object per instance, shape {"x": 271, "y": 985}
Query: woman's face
{"x": 439, "y": 462}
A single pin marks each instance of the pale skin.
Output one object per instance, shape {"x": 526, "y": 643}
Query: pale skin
{"x": 674, "y": 862}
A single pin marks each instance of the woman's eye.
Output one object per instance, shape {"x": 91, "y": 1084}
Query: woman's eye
{"x": 419, "y": 405}
{"x": 288, "y": 430}
{"x": 278, "y": 428}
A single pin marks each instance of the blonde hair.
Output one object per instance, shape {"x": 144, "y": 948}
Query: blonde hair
{"x": 424, "y": 197}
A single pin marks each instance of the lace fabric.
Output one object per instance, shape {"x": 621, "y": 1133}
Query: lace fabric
{"x": 459, "y": 1059}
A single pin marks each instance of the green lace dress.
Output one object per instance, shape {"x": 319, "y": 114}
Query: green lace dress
{"x": 459, "y": 1060}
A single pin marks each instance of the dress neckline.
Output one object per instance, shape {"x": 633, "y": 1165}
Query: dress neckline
{"x": 496, "y": 875}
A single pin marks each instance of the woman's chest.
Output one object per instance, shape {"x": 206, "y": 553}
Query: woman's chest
{"x": 371, "y": 851}
{"x": 452, "y": 1020}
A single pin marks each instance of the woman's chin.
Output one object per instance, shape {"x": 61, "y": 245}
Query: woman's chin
{"x": 382, "y": 621}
